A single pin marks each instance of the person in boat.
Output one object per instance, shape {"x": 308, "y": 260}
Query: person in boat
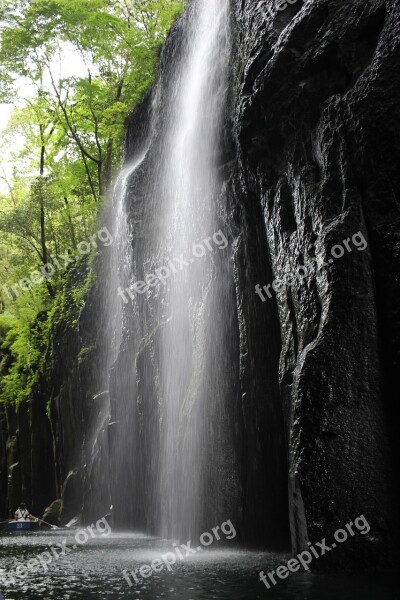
{"x": 22, "y": 513}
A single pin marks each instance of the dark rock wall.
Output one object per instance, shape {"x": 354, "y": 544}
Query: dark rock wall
{"x": 43, "y": 442}
{"x": 316, "y": 123}
{"x": 27, "y": 465}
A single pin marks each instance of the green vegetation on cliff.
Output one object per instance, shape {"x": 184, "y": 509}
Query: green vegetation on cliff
{"x": 71, "y": 70}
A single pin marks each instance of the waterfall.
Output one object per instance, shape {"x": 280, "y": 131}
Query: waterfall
{"x": 194, "y": 432}
{"x": 172, "y": 437}
{"x": 190, "y": 183}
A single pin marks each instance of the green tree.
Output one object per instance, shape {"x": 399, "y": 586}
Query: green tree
{"x": 63, "y": 145}
{"x": 118, "y": 43}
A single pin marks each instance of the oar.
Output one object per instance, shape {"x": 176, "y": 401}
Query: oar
{"x": 46, "y": 523}
{"x": 3, "y": 522}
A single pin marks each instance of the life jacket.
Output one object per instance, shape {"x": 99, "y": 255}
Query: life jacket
{"x": 22, "y": 513}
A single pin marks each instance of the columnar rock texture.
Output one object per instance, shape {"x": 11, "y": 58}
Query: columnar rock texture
{"x": 27, "y": 466}
{"x": 316, "y": 125}
{"x": 46, "y": 442}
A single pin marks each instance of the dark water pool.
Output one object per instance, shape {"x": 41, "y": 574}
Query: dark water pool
{"x": 94, "y": 570}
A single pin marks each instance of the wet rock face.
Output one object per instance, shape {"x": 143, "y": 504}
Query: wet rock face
{"x": 44, "y": 458}
{"x": 316, "y": 116}
{"x": 26, "y": 457}
{"x": 53, "y": 512}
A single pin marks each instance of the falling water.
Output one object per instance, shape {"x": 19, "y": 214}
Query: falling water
{"x": 189, "y": 441}
{"x": 169, "y": 393}
{"x": 117, "y": 268}
{"x": 120, "y": 266}
{"x": 191, "y": 182}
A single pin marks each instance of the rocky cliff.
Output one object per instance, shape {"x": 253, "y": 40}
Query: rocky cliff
{"x": 42, "y": 442}
{"x": 316, "y": 120}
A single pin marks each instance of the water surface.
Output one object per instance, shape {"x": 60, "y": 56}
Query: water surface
{"x": 94, "y": 570}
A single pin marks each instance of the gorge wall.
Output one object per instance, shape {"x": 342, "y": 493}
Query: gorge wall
{"x": 310, "y": 158}
{"x": 316, "y": 111}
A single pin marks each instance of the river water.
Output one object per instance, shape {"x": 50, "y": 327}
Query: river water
{"x": 94, "y": 570}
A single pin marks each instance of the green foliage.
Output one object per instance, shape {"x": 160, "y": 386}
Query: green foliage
{"x": 117, "y": 45}
{"x": 22, "y": 353}
{"x": 59, "y": 152}
{"x": 26, "y": 336}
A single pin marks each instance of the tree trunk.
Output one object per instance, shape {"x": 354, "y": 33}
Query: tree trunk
{"x": 42, "y": 216}
{"x": 70, "y": 223}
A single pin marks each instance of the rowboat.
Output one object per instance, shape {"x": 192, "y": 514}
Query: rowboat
{"x": 23, "y": 524}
